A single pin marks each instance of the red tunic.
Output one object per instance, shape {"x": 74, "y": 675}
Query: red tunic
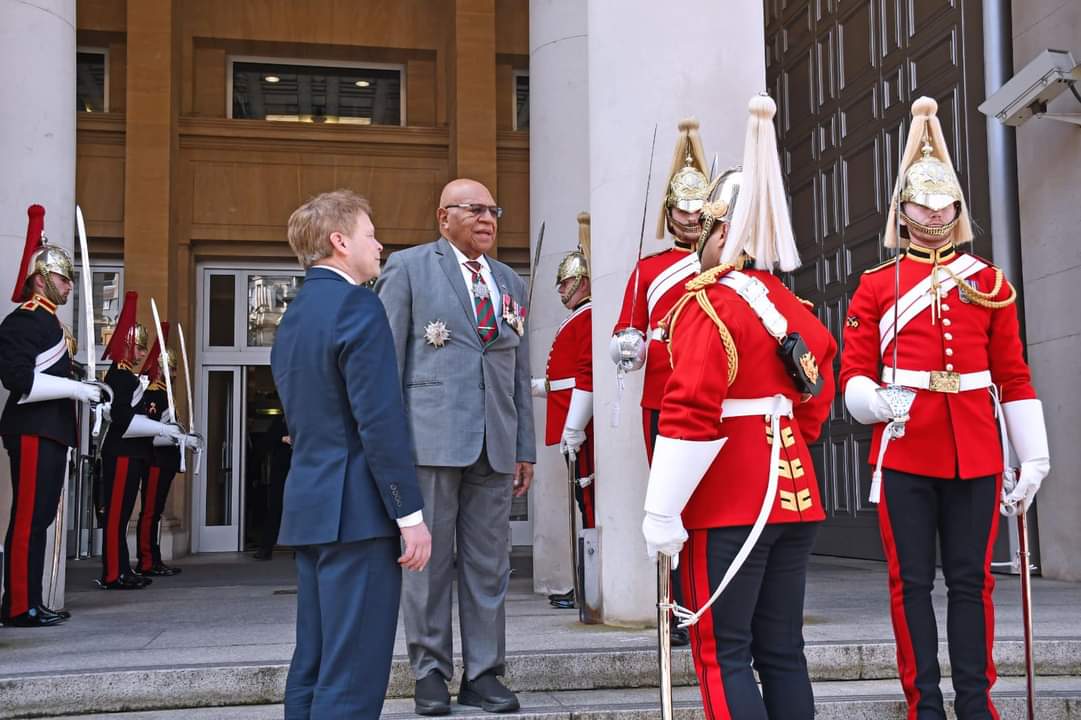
{"x": 706, "y": 372}
{"x": 661, "y": 278}
{"x": 571, "y": 357}
{"x": 948, "y": 435}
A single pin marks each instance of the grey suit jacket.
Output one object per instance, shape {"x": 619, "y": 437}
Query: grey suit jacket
{"x": 460, "y": 397}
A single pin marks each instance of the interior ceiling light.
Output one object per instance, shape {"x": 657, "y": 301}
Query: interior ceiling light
{"x": 272, "y": 79}
{"x": 362, "y": 83}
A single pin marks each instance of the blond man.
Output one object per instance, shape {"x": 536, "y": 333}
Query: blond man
{"x": 351, "y": 495}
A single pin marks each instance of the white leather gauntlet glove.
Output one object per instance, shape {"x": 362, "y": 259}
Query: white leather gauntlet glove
{"x": 537, "y": 388}
{"x": 579, "y": 414}
{"x": 1028, "y": 435}
{"x": 678, "y": 466}
{"x": 52, "y": 387}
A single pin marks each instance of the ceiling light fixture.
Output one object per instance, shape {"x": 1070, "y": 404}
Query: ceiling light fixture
{"x": 272, "y": 79}
{"x": 362, "y": 83}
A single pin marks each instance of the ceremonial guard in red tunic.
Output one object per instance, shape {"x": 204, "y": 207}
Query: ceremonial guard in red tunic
{"x": 164, "y": 462}
{"x": 948, "y": 332}
{"x": 732, "y": 490}
{"x": 657, "y": 283}
{"x": 39, "y": 420}
{"x": 568, "y": 381}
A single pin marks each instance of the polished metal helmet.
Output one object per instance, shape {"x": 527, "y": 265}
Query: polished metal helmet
{"x": 51, "y": 258}
{"x": 722, "y": 204}
{"x": 932, "y": 183}
{"x": 689, "y": 188}
{"x": 573, "y": 265}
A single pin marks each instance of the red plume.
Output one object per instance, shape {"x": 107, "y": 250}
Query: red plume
{"x": 121, "y": 347}
{"x": 152, "y": 366}
{"x": 34, "y": 228}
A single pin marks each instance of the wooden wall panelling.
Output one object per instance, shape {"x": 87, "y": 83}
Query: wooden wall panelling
{"x": 107, "y": 15}
{"x": 512, "y": 193}
{"x": 208, "y": 83}
{"x": 420, "y": 92}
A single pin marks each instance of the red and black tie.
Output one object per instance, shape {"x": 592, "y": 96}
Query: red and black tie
{"x": 487, "y": 327}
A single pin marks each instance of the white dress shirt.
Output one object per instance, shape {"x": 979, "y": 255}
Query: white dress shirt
{"x": 413, "y": 518}
{"x": 486, "y": 273}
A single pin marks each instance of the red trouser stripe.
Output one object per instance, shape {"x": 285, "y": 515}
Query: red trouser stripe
{"x": 19, "y": 552}
{"x": 116, "y": 506}
{"x": 988, "y": 601}
{"x": 696, "y": 588}
{"x": 906, "y": 653}
{"x": 146, "y": 520}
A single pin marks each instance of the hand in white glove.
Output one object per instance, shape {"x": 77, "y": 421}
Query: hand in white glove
{"x": 571, "y": 441}
{"x": 865, "y": 403}
{"x": 1019, "y": 499}
{"x": 664, "y": 534}
{"x": 172, "y": 431}
{"x": 88, "y": 392}
{"x": 194, "y": 441}
{"x": 167, "y": 416}
{"x": 586, "y": 481}
{"x": 537, "y": 387}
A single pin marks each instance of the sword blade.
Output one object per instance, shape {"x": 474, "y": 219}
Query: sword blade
{"x": 664, "y": 633}
{"x": 645, "y": 212}
{"x": 187, "y": 387}
{"x": 163, "y": 357}
{"x": 533, "y": 268}
{"x": 88, "y": 296}
{"x": 572, "y": 479}
{"x": 1026, "y": 612}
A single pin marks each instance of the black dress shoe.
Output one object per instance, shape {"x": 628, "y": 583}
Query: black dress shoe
{"x": 569, "y": 595}
{"x": 430, "y": 697}
{"x": 163, "y": 570}
{"x": 32, "y": 618}
{"x": 47, "y": 612}
{"x": 124, "y": 582}
{"x": 487, "y": 693}
{"x": 563, "y": 604}
{"x": 680, "y": 636}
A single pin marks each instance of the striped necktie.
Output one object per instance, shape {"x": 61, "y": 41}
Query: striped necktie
{"x": 487, "y": 327}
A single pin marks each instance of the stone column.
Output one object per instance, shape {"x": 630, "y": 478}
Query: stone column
{"x": 558, "y": 191}
{"x": 702, "y": 58}
{"x": 37, "y": 142}
{"x": 472, "y": 81}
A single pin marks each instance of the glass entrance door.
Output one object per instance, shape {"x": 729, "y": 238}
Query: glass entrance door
{"x": 216, "y": 501}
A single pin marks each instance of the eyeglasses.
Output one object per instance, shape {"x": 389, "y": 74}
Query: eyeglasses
{"x": 478, "y": 209}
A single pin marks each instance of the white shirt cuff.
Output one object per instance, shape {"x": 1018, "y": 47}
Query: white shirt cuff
{"x": 413, "y": 518}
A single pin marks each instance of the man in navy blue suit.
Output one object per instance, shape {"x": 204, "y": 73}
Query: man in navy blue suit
{"x": 352, "y": 494}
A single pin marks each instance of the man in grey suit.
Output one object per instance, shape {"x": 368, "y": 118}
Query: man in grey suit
{"x": 458, "y": 320}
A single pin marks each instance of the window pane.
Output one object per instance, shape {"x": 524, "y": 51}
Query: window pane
{"x": 105, "y": 286}
{"x": 219, "y": 448}
{"x": 222, "y": 302}
{"x": 521, "y": 101}
{"x": 268, "y": 297}
{"x": 90, "y": 81}
{"x": 308, "y": 93}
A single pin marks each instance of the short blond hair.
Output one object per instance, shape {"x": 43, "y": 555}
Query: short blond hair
{"x": 311, "y": 224}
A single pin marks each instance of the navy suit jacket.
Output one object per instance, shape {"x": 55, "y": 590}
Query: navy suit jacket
{"x": 334, "y": 364}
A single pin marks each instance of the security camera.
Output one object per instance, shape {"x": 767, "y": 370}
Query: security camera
{"x": 1028, "y": 92}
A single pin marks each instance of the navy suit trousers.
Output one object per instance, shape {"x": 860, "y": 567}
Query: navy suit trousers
{"x": 347, "y": 613}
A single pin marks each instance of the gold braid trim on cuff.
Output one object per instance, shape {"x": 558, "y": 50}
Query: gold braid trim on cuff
{"x": 981, "y": 298}
{"x": 702, "y": 298}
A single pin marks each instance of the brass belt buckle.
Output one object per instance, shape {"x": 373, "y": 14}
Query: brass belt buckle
{"x": 945, "y": 381}
{"x": 547, "y": 385}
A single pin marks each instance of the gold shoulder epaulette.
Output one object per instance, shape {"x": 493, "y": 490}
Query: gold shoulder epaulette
{"x": 709, "y": 277}
{"x": 880, "y": 266}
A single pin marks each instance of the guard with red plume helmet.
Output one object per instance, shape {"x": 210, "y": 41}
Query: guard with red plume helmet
{"x": 751, "y": 373}
{"x": 940, "y": 324}
{"x": 39, "y": 421}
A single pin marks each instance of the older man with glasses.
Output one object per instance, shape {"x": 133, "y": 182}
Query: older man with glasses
{"x": 459, "y": 323}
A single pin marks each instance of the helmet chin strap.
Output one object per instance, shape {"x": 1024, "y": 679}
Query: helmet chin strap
{"x": 692, "y": 229}
{"x": 51, "y": 291}
{"x": 566, "y": 297}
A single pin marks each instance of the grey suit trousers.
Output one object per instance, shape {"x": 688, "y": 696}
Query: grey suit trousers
{"x": 469, "y": 507}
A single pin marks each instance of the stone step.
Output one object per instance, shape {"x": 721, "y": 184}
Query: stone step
{"x": 1058, "y": 698}
{"x": 163, "y": 687}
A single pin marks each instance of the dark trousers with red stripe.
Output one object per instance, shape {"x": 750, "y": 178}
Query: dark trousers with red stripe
{"x": 585, "y": 495}
{"x": 154, "y": 490}
{"x": 651, "y": 420}
{"x": 758, "y": 619}
{"x": 960, "y": 517}
{"x": 37, "y": 479}
{"x": 121, "y": 475}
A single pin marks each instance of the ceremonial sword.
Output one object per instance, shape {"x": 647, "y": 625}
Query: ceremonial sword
{"x": 197, "y": 451}
{"x": 533, "y": 270}
{"x": 642, "y": 234}
{"x": 163, "y": 360}
{"x": 664, "y": 632}
{"x": 572, "y": 479}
